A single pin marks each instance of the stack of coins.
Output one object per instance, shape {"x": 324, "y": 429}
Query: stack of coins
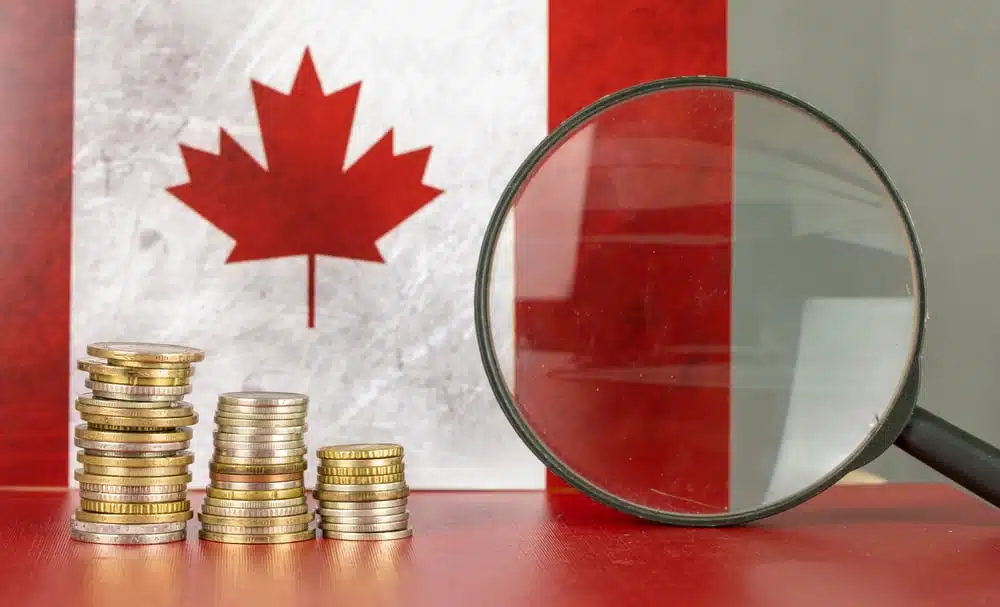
{"x": 256, "y": 495}
{"x": 362, "y": 492}
{"x": 133, "y": 484}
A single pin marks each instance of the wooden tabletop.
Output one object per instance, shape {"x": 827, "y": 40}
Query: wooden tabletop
{"x": 886, "y": 545}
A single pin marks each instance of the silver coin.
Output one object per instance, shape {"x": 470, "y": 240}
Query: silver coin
{"x": 256, "y": 486}
{"x": 268, "y": 453}
{"x": 340, "y": 519}
{"x": 156, "y": 448}
{"x": 360, "y": 488}
{"x": 255, "y": 512}
{"x": 296, "y": 411}
{"x": 258, "y": 423}
{"x": 254, "y": 504}
{"x": 132, "y": 455}
{"x": 132, "y": 489}
{"x": 365, "y": 527}
{"x": 112, "y": 529}
{"x": 245, "y": 446}
{"x": 263, "y": 399}
{"x": 130, "y": 390}
{"x": 265, "y": 431}
{"x": 89, "y": 399}
{"x": 133, "y": 498}
{"x": 363, "y": 506}
{"x": 163, "y": 400}
{"x": 368, "y": 537}
{"x": 265, "y": 439}
{"x": 273, "y": 530}
{"x": 351, "y": 515}
{"x": 127, "y": 538}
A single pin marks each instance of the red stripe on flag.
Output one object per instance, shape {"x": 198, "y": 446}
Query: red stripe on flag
{"x": 680, "y": 435}
{"x": 36, "y": 151}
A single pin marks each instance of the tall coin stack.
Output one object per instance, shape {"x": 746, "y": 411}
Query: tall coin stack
{"x": 133, "y": 484}
{"x": 256, "y": 495}
{"x": 362, "y": 492}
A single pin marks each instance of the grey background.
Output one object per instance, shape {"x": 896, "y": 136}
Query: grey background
{"x": 916, "y": 81}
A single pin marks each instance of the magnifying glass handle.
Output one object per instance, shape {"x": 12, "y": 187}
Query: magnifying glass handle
{"x": 969, "y": 461}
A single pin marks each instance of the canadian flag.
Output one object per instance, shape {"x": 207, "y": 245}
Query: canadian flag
{"x": 156, "y": 185}
{"x": 301, "y": 189}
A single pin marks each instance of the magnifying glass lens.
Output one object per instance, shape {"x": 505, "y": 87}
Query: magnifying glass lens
{"x": 702, "y": 300}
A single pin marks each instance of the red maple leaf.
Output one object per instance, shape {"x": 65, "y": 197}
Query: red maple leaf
{"x": 306, "y": 202}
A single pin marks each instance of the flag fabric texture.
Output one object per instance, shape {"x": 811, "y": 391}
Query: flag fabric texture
{"x": 300, "y": 188}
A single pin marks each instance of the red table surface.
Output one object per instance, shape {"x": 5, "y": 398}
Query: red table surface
{"x": 886, "y": 545}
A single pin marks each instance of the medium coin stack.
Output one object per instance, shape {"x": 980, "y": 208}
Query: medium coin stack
{"x": 133, "y": 484}
{"x": 256, "y": 495}
{"x": 362, "y": 492}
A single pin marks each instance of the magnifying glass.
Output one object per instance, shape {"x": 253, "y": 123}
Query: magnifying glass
{"x": 701, "y": 301}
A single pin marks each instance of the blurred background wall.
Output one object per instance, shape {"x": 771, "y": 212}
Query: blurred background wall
{"x": 916, "y": 81}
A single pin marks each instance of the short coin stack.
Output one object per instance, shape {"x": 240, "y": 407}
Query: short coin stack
{"x": 133, "y": 484}
{"x": 256, "y": 495}
{"x": 362, "y": 492}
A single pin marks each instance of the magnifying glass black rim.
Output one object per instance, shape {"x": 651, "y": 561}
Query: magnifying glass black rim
{"x": 889, "y": 422}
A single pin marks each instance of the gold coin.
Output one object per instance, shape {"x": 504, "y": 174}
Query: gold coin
{"x": 370, "y": 537}
{"x": 181, "y": 410}
{"x": 175, "y": 436}
{"x": 124, "y": 490}
{"x": 145, "y": 352}
{"x": 139, "y": 422}
{"x": 131, "y": 481}
{"x": 138, "y": 490}
{"x": 262, "y": 432}
{"x": 97, "y": 366}
{"x": 133, "y": 519}
{"x": 255, "y": 478}
{"x": 224, "y": 468}
{"x": 357, "y": 471}
{"x": 283, "y": 538}
{"x": 256, "y": 461}
{"x": 134, "y": 508}
{"x": 134, "y": 472}
{"x": 360, "y": 496}
{"x": 260, "y": 494}
{"x": 184, "y": 458}
{"x": 360, "y": 451}
{"x": 104, "y": 428}
{"x": 131, "y": 380}
{"x": 360, "y": 463}
{"x": 134, "y": 364}
{"x": 257, "y": 486}
{"x": 258, "y": 441}
{"x": 252, "y": 521}
{"x": 263, "y": 512}
{"x": 253, "y": 530}
{"x": 255, "y": 504}
{"x": 381, "y": 479}
{"x": 345, "y": 488}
